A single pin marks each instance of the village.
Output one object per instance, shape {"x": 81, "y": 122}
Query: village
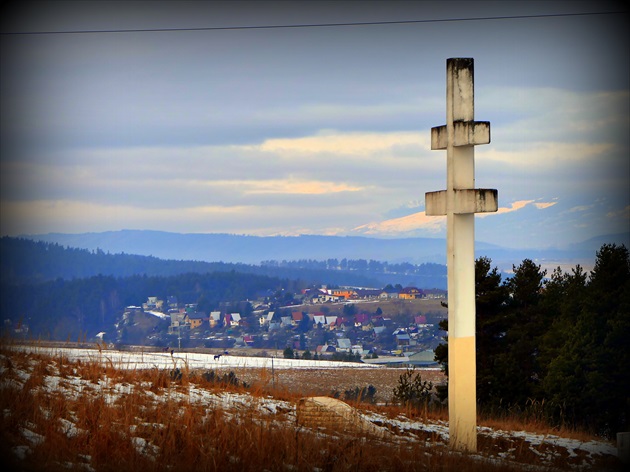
{"x": 392, "y": 326}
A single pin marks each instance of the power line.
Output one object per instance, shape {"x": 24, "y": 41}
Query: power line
{"x": 313, "y": 25}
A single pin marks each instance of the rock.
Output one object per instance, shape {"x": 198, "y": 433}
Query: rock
{"x": 330, "y": 413}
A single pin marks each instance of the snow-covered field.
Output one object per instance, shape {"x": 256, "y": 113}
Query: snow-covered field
{"x": 165, "y": 360}
{"x": 546, "y": 452}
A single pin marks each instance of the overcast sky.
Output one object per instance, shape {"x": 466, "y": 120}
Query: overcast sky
{"x": 318, "y": 130}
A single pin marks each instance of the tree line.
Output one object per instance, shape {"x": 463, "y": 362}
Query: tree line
{"x": 363, "y": 265}
{"x": 559, "y": 345}
{"x": 27, "y": 261}
{"x": 72, "y": 309}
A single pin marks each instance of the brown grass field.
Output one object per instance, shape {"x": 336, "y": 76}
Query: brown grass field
{"x": 62, "y": 415}
{"x": 309, "y": 382}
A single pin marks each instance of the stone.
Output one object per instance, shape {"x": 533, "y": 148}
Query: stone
{"x": 333, "y": 414}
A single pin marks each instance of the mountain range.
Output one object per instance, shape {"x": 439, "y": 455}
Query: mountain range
{"x": 231, "y": 248}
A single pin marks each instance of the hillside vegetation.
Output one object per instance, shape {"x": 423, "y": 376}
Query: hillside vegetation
{"x": 550, "y": 344}
{"x": 556, "y": 345}
{"x": 29, "y": 261}
{"x": 60, "y": 414}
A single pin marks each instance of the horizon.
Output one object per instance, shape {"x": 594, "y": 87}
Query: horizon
{"x": 297, "y": 235}
{"x": 178, "y": 246}
{"x": 319, "y": 130}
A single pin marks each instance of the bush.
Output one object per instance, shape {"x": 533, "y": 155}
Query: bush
{"x": 226, "y": 379}
{"x": 176, "y": 375}
{"x": 412, "y": 390}
{"x": 363, "y": 394}
{"x": 346, "y": 357}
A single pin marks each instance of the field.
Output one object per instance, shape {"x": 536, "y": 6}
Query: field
{"x": 389, "y": 307}
{"x": 309, "y": 382}
{"x": 101, "y": 410}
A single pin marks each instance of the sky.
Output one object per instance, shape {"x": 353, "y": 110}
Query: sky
{"x": 309, "y": 130}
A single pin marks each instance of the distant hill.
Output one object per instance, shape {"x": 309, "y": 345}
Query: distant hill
{"x": 24, "y": 260}
{"x": 251, "y": 249}
{"x": 230, "y": 248}
{"x": 27, "y": 261}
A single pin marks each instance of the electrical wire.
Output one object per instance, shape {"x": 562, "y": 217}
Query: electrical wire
{"x": 311, "y": 25}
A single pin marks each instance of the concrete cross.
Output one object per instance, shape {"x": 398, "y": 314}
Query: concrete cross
{"x": 459, "y": 202}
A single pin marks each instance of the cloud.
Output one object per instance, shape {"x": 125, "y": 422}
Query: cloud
{"x": 340, "y": 143}
{"x": 420, "y": 223}
{"x": 623, "y": 214}
{"x": 295, "y": 187}
{"x": 518, "y": 205}
{"x": 580, "y": 208}
{"x": 514, "y": 207}
{"x": 543, "y": 205}
{"x": 406, "y": 224}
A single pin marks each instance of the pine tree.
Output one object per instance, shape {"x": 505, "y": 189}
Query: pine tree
{"x": 589, "y": 380}
{"x": 491, "y": 298}
{"x": 516, "y": 368}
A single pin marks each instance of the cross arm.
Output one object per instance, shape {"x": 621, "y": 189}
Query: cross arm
{"x": 466, "y": 133}
{"x": 478, "y": 200}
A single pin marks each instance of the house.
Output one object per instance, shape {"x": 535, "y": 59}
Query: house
{"x": 171, "y": 301}
{"x": 422, "y": 358}
{"x": 296, "y": 318}
{"x": 367, "y": 293}
{"x": 215, "y": 319}
{"x": 266, "y": 319}
{"x": 324, "y": 297}
{"x": 331, "y": 321}
{"x": 190, "y": 307}
{"x": 388, "y": 293}
{"x": 274, "y": 325}
{"x": 344, "y": 293}
{"x": 361, "y": 319}
{"x": 177, "y": 317}
{"x": 153, "y": 303}
{"x": 379, "y": 330}
{"x": 410, "y": 293}
{"x": 179, "y": 323}
{"x": 344, "y": 344}
{"x": 232, "y": 319}
{"x": 197, "y": 319}
{"x": 319, "y": 319}
{"x": 358, "y": 349}
{"x": 314, "y": 294}
{"x": 326, "y": 348}
{"x": 270, "y": 321}
{"x": 403, "y": 340}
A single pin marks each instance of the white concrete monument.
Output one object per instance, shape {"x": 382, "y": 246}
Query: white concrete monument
{"x": 459, "y": 202}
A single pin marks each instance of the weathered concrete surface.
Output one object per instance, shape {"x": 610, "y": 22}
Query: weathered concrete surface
{"x": 479, "y": 200}
{"x": 459, "y": 202}
{"x": 466, "y": 133}
{"x": 330, "y": 413}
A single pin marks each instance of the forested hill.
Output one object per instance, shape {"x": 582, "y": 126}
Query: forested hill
{"x": 29, "y": 261}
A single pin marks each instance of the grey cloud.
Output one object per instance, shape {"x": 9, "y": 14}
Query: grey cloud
{"x": 153, "y": 120}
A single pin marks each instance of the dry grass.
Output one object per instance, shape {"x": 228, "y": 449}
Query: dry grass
{"x": 118, "y": 421}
